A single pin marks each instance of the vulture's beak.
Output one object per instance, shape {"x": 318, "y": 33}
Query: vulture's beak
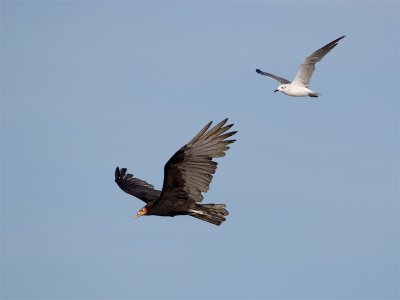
{"x": 276, "y": 91}
{"x": 141, "y": 212}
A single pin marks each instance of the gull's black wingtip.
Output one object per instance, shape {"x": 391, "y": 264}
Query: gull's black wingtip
{"x": 258, "y": 71}
{"x": 339, "y": 38}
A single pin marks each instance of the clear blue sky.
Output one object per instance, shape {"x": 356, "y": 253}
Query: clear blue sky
{"x": 311, "y": 185}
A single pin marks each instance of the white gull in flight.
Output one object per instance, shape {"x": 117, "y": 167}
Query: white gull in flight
{"x": 299, "y": 86}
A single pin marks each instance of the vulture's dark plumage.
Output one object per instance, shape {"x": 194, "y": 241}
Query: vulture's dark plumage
{"x": 187, "y": 174}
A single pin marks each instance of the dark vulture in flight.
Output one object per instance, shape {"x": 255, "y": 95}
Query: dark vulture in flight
{"x": 187, "y": 174}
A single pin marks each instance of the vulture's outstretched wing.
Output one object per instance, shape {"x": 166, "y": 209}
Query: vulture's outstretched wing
{"x": 188, "y": 173}
{"x": 135, "y": 187}
{"x": 308, "y": 66}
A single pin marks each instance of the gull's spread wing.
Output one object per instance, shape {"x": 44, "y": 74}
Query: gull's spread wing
{"x": 308, "y": 66}
{"x": 277, "y": 78}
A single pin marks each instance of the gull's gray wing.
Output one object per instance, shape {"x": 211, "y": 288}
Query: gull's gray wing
{"x": 277, "y": 78}
{"x": 308, "y": 66}
{"x": 135, "y": 186}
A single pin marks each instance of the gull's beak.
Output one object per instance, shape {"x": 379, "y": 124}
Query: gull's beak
{"x": 276, "y": 91}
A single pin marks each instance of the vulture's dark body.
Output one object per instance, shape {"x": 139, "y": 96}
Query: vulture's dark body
{"x": 187, "y": 174}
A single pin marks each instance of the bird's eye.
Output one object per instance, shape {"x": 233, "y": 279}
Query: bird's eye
{"x": 283, "y": 87}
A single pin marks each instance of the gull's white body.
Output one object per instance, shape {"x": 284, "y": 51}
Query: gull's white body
{"x": 296, "y": 91}
{"x": 299, "y": 87}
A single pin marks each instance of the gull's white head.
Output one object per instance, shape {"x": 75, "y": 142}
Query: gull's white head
{"x": 280, "y": 88}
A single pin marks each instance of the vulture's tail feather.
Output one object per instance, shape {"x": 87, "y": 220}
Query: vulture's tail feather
{"x": 212, "y": 213}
